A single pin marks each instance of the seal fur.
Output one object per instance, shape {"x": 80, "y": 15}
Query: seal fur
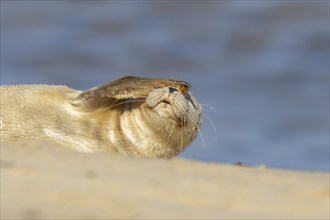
{"x": 155, "y": 118}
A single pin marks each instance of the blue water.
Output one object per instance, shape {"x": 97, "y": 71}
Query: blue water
{"x": 260, "y": 67}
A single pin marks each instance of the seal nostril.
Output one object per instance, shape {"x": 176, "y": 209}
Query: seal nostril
{"x": 171, "y": 89}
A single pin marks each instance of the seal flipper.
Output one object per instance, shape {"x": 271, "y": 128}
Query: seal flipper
{"x": 128, "y": 87}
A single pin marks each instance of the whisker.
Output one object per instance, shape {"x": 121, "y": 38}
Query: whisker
{"x": 128, "y": 101}
{"x": 209, "y": 106}
{"x": 196, "y": 90}
{"x": 181, "y": 139}
{"x": 209, "y": 119}
{"x": 171, "y": 132}
{"x": 202, "y": 138}
{"x": 199, "y": 131}
{"x": 173, "y": 74}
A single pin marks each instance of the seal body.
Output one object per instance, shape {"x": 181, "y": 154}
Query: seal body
{"x": 155, "y": 118}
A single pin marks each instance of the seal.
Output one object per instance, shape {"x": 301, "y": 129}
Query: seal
{"x": 154, "y": 118}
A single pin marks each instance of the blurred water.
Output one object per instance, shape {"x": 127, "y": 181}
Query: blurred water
{"x": 263, "y": 65}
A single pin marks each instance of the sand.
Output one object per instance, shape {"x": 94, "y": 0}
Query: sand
{"x": 44, "y": 181}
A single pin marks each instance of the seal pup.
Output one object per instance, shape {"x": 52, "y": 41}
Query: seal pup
{"x": 155, "y": 118}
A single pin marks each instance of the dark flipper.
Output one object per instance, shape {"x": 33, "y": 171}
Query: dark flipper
{"x": 128, "y": 87}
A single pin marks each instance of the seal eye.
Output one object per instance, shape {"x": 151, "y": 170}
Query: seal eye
{"x": 171, "y": 89}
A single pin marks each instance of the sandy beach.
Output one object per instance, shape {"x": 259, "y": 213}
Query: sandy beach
{"x": 42, "y": 181}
